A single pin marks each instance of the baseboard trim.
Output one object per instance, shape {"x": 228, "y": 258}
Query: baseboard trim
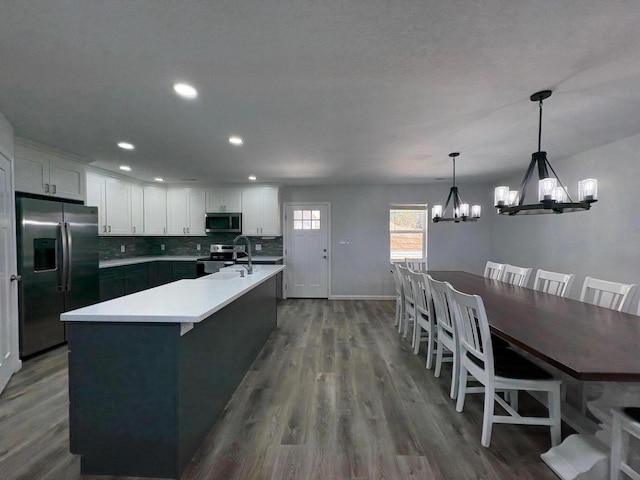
{"x": 362, "y": 297}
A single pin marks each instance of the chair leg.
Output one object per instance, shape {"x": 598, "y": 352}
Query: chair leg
{"x": 487, "y": 419}
{"x": 417, "y": 332}
{"x": 455, "y": 374}
{"x": 618, "y": 437}
{"x": 462, "y": 388}
{"x": 555, "y": 414}
{"x": 430, "y": 343}
{"x": 512, "y": 396}
{"x": 438, "y": 360}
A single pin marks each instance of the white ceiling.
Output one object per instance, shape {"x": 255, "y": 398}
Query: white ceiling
{"x": 350, "y": 91}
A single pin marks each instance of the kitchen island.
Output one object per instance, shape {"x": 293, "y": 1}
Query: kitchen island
{"x": 150, "y": 373}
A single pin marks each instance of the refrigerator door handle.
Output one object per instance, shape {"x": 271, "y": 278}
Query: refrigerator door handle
{"x": 69, "y": 255}
{"x": 62, "y": 259}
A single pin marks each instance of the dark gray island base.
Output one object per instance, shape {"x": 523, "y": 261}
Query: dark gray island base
{"x": 143, "y": 397}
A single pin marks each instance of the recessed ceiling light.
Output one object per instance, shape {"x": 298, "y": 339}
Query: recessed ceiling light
{"x": 185, "y": 90}
{"x": 253, "y": 178}
{"x": 159, "y": 179}
{"x": 235, "y": 140}
{"x": 126, "y": 145}
{"x": 126, "y": 168}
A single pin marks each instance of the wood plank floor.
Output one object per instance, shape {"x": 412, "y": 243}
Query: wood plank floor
{"x": 335, "y": 394}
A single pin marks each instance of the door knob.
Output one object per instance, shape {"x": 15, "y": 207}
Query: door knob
{"x": 15, "y": 278}
{"x": 324, "y": 256}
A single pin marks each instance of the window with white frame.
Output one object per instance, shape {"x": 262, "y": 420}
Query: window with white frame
{"x": 306, "y": 219}
{"x": 407, "y": 231}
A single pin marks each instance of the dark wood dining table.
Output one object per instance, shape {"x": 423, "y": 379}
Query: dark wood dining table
{"x": 588, "y": 342}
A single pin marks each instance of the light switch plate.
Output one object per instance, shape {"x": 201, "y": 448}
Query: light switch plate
{"x": 162, "y": 246}
{"x": 258, "y": 247}
{"x": 122, "y": 248}
{"x": 198, "y": 247}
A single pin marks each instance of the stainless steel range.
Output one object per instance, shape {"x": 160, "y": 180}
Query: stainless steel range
{"x": 221, "y": 256}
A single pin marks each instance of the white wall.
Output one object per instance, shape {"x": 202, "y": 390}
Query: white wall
{"x": 361, "y": 214}
{"x": 603, "y": 242}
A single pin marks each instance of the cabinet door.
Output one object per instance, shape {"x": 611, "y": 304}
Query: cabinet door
{"x": 177, "y": 211}
{"x": 96, "y": 198}
{"x": 155, "y": 211}
{"x": 31, "y": 174}
{"x": 67, "y": 179}
{"x": 118, "y": 207}
{"x": 251, "y": 211}
{"x": 261, "y": 211}
{"x": 137, "y": 210}
{"x": 180, "y": 270}
{"x": 214, "y": 201}
{"x": 224, "y": 200}
{"x": 159, "y": 273}
{"x": 271, "y": 211}
{"x": 232, "y": 201}
{"x": 196, "y": 200}
{"x": 111, "y": 283}
{"x": 136, "y": 278}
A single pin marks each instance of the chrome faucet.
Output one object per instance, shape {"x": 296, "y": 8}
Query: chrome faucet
{"x": 235, "y": 254}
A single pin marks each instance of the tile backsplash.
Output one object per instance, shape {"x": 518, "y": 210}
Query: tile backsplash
{"x": 110, "y": 247}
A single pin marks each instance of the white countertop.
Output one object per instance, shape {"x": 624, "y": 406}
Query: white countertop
{"x": 118, "y": 262}
{"x": 184, "y": 301}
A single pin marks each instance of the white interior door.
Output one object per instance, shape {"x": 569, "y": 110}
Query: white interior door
{"x": 9, "y": 361}
{"x": 307, "y": 250}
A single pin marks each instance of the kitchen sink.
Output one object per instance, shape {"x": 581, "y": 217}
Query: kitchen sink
{"x": 223, "y": 275}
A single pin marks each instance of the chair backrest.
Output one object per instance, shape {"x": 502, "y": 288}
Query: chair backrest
{"x": 407, "y": 289}
{"x": 606, "y": 294}
{"x": 416, "y": 264}
{"x": 442, "y": 307}
{"x": 516, "y": 275}
{"x": 397, "y": 280}
{"x": 474, "y": 336}
{"x": 421, "y": 293}
{"x": 493, "y": 270}
{"x": 553, "y": 283}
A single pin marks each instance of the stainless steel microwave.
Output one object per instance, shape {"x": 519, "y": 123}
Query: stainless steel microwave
{"x": 223, "y": 222}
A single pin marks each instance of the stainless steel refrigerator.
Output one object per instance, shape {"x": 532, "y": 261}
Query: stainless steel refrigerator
{"x": 58, "y": 263}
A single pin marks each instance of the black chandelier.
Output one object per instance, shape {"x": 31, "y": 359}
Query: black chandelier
{"x": 460, "y": 210}
{"x": 553, "y": 197}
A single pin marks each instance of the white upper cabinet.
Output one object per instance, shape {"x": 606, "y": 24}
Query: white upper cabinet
{"x": 155, "y": 210}
{"x": 120, "y": 204}
{"x": 224, "y": 200}
{"x": 185, "y": 211}
{"x": 261, "y": 211}
{"x": 137, "y": 209}
{"x": 44, "y": 172}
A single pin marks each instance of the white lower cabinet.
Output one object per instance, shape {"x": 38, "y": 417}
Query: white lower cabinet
{"x": 261, "y": 211}
{"x": 185, "y": 211}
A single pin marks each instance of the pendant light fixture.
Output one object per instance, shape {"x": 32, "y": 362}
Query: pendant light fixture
{"x": 553, "y": 197}
{"x": 460, "y": 211}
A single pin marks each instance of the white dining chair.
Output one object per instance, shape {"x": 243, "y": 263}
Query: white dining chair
{"x": 424, "y": 325}
{"x": 607, "y": 294}
{"x": 493, "y": 270}
{"x": 603, "y": 293}
{"x": 518, "y": 276}
{"x": 626, "y": 424}
{"x": 397, "y": 282}
{"x": 506, "y": 372}
{"x": 409, "y": 313}
{"x": 554, "y": 283}
{"x": 416, "y": 264}
{"x": 446, "y": 333}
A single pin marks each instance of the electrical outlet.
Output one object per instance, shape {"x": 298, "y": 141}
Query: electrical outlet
{"x": 162, "y": 246}
{"x": 122, "y": 248}
{"x": 258, "y": 247}
{"x": 198, "y": 247}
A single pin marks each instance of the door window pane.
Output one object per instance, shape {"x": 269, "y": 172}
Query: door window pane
{"x": 306, "y": 219}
